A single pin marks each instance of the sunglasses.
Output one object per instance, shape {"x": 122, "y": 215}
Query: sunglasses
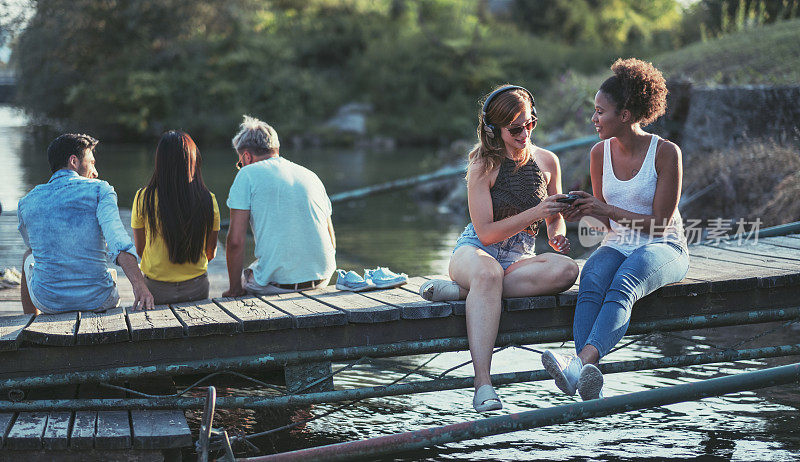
{"x": 515, "y": 130}
{"x": 240, "y": 164}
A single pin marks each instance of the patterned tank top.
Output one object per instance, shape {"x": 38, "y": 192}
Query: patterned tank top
{"x": 514, "y": 192}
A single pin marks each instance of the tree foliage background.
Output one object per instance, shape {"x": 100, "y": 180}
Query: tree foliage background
{"x": 130, "y": 68}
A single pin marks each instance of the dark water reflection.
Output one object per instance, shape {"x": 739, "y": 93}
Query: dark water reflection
{"x": 757, "y": 425}
{"x": 393, "y": 230}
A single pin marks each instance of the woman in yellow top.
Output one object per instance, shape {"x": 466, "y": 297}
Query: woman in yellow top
{"x": 175, "y": 223}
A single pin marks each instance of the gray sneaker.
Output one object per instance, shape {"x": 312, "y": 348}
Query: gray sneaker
{"x": 590, "y": 383}
{"x": 565, "y": 370}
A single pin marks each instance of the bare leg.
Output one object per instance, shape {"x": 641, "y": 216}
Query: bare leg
{"x": 548, "y": 273}
{"x": 589, "y": 355}
{"x": 24, "y": 295}
{"x": 476, "y": 271}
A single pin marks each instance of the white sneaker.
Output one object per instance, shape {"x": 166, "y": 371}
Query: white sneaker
{"x": 590, "y": 383}
{"x": 565, "y": 370}
{"x": 10, "y": 277}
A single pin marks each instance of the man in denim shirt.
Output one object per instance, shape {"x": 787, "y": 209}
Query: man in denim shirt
{"x": 70, "y": 224}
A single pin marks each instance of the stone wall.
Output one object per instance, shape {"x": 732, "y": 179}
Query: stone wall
{"x": 703, "y": 119}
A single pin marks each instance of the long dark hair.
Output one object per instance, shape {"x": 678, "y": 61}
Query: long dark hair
{"x": 185, "y": 214}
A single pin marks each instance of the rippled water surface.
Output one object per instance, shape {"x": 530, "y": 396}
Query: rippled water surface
{"x": 395, "y": 230}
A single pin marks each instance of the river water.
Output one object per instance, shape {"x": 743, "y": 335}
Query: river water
{"x": 393, "y": 230}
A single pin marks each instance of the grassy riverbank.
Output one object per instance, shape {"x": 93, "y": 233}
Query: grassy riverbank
{"x": 767, "y": 55}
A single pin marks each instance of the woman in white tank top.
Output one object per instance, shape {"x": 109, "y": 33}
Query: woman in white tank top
{"x": 636, "y": 181}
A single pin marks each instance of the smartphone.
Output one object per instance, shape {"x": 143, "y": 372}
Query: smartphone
{"x": 569, "y": 199}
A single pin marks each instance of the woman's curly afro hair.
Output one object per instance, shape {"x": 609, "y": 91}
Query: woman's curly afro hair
{"x": 638, "y": 87}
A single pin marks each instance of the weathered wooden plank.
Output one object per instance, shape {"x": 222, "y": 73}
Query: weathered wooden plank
{"x": 160, "y": 429}
{"x": 11, "y": 294}
{"x": 158, "y": 323}
{"x": 106, "y": 327}
{"x": 722, "y": 277}
{"x": 411, "y": 305}
{"x": 566, "y": 298}
{"x": 569, "y": 297}
{"x": 459, "y": 307}
{"x": 414, "y": 284}
{"x": 770, "y": 273}
{"x": 205, "y": 318}
{"x": 762, "y": 248}
{"x": 307, "y": 312}
{"x": 102, "y": 429}
{"x": 255, "y": 314}
{"x": 52, "y": 329}
{"x": 530, "y": 303}
{"x": 722, "y": 267}
{"x": 437, "y": 276}
{"x": 11, "y": 329}
{"x": 6, "y": 419}
{"x": 688, "y": 286}
{"x": 56, "y": 433}
{"x": 113, "y": 430}
{"x": 359, "y": 309}
{"x": 83, "y": 429}
{"x": 27, "y": 431}
{"x": 18, "y": 363}
{"x": 732, "y": 255}
{"x": 157, "y": 429}
{"x": 791, "y": 242}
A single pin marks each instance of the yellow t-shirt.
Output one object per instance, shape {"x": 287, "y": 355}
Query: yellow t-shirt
{"x": 155, "y": 258}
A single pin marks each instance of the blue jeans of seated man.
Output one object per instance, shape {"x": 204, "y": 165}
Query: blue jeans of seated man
{"x": 611, "y": 283}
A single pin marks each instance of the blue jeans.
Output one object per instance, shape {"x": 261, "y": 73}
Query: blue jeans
{"x": 611, "y": 283}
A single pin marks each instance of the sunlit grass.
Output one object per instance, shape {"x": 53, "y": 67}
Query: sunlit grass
{"x": 767, "y": 55}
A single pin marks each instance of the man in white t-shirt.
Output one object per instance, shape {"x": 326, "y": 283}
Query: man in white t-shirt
{"x": 289, "y": 212}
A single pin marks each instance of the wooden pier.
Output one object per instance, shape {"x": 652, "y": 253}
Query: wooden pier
{"x": 724, "y": 277}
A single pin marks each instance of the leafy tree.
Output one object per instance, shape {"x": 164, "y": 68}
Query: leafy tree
{"x": 138, "y": 67}
{"x": 712, "y": 18}
{"x": 612, "y": 23}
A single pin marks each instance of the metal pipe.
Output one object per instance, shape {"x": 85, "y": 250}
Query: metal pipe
{"x": 386, "y": 350}
{"x": 424, "y": 386}
{"x": 419, "y": 439}
{"x": 206, "y": 425}
{"x": 773, "y": 231}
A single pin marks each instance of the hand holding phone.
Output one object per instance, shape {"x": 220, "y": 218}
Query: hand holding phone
{"x": 569, "y": 199}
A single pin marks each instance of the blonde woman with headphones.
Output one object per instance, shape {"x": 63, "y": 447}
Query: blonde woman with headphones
{"x": 512, "y": 186}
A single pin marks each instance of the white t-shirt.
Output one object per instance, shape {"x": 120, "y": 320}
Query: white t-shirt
{"x": 289, "y": 213}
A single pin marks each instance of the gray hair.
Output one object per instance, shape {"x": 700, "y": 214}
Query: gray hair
{"x": 257, "y": 136}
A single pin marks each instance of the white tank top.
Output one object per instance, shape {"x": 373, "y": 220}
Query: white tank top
{"x": 636, "y": 195}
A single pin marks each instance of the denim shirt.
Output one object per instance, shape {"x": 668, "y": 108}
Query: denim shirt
{"x": 69, "y": 223}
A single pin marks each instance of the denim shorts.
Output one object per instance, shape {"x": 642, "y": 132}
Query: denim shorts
{"x": 515, "y": 248}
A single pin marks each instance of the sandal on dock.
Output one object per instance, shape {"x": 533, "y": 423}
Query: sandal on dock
{"x": 439, "y": 290}
{"x": 486, "y": 399}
